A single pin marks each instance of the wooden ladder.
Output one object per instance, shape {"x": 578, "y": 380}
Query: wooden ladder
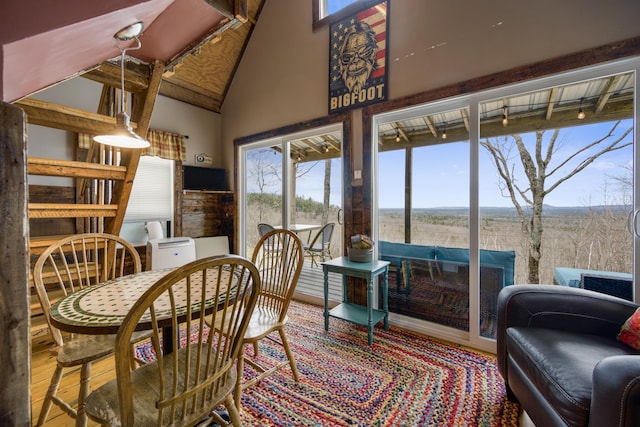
{"x": 108, "y": 187}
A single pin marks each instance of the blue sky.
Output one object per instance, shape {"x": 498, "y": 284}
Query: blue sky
{"x": 441, "y": 174}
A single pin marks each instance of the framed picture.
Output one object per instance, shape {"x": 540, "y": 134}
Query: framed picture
{"x": 358, "y": 59}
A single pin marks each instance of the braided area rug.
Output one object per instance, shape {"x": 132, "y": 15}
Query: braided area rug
{"x": 402, "y": 379}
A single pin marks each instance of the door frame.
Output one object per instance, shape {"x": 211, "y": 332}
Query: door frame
{"x": 283, "y": 138}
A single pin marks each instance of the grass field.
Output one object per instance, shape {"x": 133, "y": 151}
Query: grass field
{"x": 590, "y": 238}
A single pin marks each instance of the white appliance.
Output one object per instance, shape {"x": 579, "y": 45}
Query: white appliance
{"x": 211, "y": 246}
{"x": 170, "y": 252}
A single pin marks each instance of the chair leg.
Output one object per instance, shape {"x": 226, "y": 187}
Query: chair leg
{"x": 255, "y": 348}
{"x": 237, "y": 394}
{"x": 287, "y": 350}
{"x": 48, "y": 399}
{"x": 234, "y": 413}
{"x": 85, "y": 377}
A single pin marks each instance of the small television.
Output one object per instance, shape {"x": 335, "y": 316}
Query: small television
{"x": 205, "y": 179}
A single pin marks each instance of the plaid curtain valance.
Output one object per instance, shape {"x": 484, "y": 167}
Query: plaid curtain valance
{"x": 167, "y": 145}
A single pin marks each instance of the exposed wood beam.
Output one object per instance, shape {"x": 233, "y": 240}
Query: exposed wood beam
{"x": 313, "y": 147}
{"x": 401, "y": 132}
{"x": 465, "y": 118}
{"x": 69, "y": 168}
{"x": 431, "y": 126}
{"x": 552, "y": 101}
{"x": 77, "y": 210}
{"x": 136, "y": 76}
{"x": 146, "y": 110}
{"x": 122, "y": 188}
{"x": 608, "y": 91}
{"x": 66, "y": 118}
{"x": 193, "y": 96}
{"x": 560, "y": 119}
{"x": 332, "y": 142}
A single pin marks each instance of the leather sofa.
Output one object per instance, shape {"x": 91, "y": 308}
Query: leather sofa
{"x": 558, "y": 354}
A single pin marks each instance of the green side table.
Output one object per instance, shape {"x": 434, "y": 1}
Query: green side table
{"x": 366, "y": 316}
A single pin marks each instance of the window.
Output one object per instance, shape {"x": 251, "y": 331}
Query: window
{"x": 535, "y": 182}
{"x": 327, "y": 11}
{"x": 151, "y": 198}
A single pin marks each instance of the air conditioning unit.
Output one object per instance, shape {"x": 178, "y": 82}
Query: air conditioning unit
{"x": 170, "y": 252}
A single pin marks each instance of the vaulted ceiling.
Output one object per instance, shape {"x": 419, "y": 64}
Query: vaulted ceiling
{"x": 194, "y": 46}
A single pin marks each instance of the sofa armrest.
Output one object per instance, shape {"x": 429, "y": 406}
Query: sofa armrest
{"x": 558, "y": 307}
{"x": 615, "y": 399}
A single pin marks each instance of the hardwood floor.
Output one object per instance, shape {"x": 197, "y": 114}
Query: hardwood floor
{"x": 43, "y": 364}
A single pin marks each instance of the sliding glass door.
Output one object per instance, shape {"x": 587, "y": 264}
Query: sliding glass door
{"x": 294, "y": 182}
{"x": 423, "y": 214}
{"x": 532, "y": 183}
{"x": 556, "y": 184}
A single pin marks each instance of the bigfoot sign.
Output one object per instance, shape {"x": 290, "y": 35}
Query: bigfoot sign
{"x": 357, "y": 63}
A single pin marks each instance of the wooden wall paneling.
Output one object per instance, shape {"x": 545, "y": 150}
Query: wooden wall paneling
{"x": 51, "y": 226}
{"x": 208, "y": 213}
{"x": 15, "y": 352}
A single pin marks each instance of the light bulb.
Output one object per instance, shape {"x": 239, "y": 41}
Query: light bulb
{"x": 581, "y": 114}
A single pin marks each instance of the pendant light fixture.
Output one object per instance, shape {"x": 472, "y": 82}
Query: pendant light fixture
{"x": 123, "y": 135}
{"x": 505, "y": 118}
{"x": 581, "y": 114}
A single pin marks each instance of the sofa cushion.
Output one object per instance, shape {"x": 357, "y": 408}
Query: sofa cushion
{"x": 560, "y": 364}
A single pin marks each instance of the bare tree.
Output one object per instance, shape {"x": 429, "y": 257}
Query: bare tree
{"x": 541, "y": 169}
{"x": 262, "y": 171}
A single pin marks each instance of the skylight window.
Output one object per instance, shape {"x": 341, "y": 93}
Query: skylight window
{"x": 329, "y": 7}
{"x": 327, "y": 11}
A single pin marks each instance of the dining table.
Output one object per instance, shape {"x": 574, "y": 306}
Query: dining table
{"x": 302, "y": 228}
{"x": 101, "y": 308}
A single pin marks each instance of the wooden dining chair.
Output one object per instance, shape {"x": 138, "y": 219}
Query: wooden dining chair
{"x": 279, "y": 273}
{"x": 183, "y": 387}
{"x": 67, "y": 266}
{"x": 320, "y": 246}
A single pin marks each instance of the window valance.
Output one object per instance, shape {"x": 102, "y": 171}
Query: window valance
{"x": 167, "y": 145}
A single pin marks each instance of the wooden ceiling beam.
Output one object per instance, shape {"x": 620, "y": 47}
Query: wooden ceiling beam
{"x": 136, "y": 76}
{"x": 608, "y": 91}
{"x": 552, "y": 102}
{"x": 517, "y": 125}
{"x": 192, "y": 96}
{"x": 145, "y": 110}
{"x": 431, "y": 126}
{"x": 465, "y": 118}
{"x": 66, "y": 118}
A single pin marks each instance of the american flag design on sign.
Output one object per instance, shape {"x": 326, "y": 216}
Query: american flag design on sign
{"x": 358, "y": 58}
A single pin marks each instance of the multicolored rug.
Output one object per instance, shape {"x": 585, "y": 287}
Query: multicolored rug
{"x": 401, "y": 380}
